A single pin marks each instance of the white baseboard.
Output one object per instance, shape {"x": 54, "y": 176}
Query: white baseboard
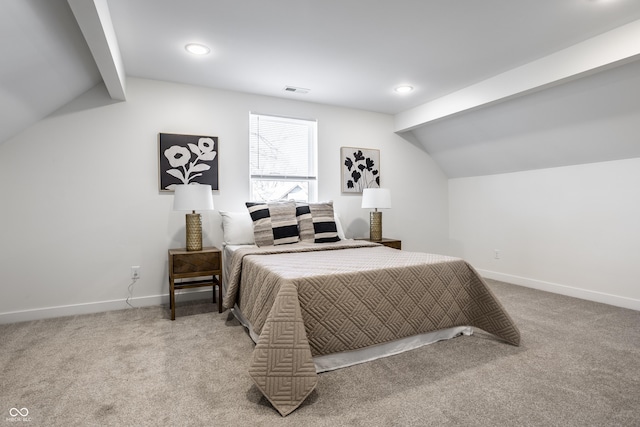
{"x": 556, "y": 288}
{"x": 190, "y": 295}
{"x": 98, "y": 307}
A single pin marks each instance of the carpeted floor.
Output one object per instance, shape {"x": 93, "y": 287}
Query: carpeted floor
{"x": 578, "y": 365}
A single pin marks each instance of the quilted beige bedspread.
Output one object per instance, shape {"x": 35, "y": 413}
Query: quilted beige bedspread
{"x": 311, "y": 299}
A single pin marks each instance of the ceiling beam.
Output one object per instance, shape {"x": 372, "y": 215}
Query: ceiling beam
{"x": 95, "y": 23}
{"x": 613, "y": 48}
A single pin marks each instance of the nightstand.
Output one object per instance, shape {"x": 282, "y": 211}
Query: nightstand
{"x": 185, "y": 264}
{"x": 392, "y": 243}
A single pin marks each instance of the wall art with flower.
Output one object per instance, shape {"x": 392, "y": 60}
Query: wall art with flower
{"x": 188, "y": 159}
{"x": 360, "y": 169}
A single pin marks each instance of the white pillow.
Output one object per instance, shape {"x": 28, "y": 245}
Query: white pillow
{"x": 339, "y": 227}
{"x": 237, "y": 228}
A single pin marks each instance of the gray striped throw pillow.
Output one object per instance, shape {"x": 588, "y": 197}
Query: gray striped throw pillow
{"x": 316, "y": 222}
{"x": 274, "y": 223}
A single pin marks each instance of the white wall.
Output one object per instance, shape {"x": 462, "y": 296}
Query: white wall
{"x": 81, "y": 203}
{"x": 571, "y": 230}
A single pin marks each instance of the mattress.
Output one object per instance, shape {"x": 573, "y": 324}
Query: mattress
{"x": 332, "y": 361}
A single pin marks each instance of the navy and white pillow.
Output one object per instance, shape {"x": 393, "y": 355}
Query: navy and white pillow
{"x": 316, "y": 222}
{"x": 274, "y": 223}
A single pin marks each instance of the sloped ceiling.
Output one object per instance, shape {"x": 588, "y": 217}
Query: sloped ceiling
{"x": 588, "y": 120}
{"x": 349, "y": 53}
{"x": 45, "y": 62}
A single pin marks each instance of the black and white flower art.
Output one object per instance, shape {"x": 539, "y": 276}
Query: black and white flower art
{"x": 360, "y": 169}
{"x": 188, "y": 159}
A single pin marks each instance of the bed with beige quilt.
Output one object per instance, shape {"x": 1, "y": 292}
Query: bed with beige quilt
{"x": 305, "y": 301}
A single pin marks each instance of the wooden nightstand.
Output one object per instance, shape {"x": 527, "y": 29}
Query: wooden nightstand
{"x": 185, "y": 264}
{"x": 392, "y": 243}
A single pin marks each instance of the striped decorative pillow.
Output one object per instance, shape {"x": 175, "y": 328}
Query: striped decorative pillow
{"x": 274, "y": 223}
{"x": 316, "y": 222}
{"x": 305, "y": 222}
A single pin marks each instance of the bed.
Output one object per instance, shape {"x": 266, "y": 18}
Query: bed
{"x": 312, "y": 307}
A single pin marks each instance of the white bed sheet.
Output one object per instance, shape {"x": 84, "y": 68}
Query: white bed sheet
{"x": 339, "y": 360}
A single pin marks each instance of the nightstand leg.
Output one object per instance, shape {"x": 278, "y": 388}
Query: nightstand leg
{"x": 172, "y": 298}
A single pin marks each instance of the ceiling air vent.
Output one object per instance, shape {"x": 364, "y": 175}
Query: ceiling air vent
{"x": 294, "y": 89}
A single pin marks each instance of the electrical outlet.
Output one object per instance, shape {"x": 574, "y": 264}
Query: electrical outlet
{"x": 135, "y": 272}
{"x": 497, "y": 253}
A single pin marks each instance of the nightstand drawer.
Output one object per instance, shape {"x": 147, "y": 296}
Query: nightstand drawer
{"x": 391, "y": 243}
{"x": 195, "y": 262}
{"x": 395, "y": 244}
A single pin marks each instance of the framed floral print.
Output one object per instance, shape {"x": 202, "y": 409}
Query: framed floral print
{"x": 360, "y": 169}
{"x": 188, "y": 159}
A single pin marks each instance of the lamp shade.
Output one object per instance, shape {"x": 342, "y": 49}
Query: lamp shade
{"x": 193, "y": 197}
{"x": 376, "y": 198}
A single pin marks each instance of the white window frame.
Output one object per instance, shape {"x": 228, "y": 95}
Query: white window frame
{"x": 311, "y": 178}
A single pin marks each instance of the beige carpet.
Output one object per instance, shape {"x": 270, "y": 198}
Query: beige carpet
{"x": 578, "y": 365}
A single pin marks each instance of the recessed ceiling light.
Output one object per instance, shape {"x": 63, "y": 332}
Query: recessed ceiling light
{"x": 404, "y": 89}
{"x": 197, "y": 49}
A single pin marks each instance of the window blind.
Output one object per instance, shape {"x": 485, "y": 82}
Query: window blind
{"x": 282, "y": 158}
{"x": 282, "y": 148}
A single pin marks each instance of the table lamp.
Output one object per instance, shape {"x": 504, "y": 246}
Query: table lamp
{"x": 376, "y": 198}
{"x": 193, "y": 197}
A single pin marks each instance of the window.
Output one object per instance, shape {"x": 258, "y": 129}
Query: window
{"x": 282, "y": 155}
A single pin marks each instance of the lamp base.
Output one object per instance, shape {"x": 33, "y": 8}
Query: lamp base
{"x": 375, "y": 226}
{"x": 194, "y": 232}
